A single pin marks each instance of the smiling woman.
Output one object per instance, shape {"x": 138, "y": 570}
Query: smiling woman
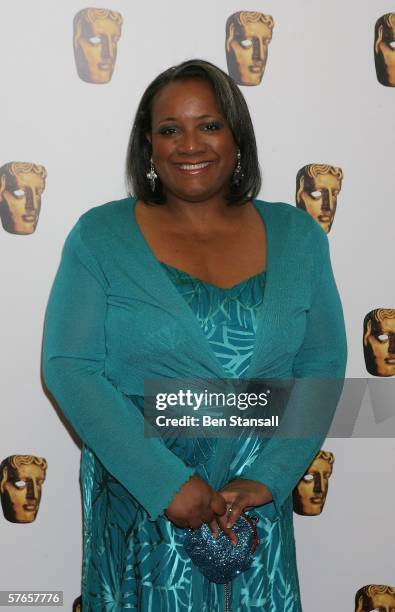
{"x": 194, "y": 149}
{"x": 196, "y": 135}
{"x": 208, "y": 101}
{"x": 191, "y": 277}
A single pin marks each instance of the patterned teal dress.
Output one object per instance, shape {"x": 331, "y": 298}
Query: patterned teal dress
{"x": 132, "y": 563}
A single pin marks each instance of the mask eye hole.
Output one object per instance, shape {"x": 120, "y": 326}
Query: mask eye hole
{"x": 308, "y": 477}
{"x": 246, "y": 43}
{"x": 316, "y": 194}
{"x": 383, "y": 337}
{"x": 20, "y": 484}
{"x": 392, "y": 44}
{"x": 18, "y": 193}
{"x": 95, "y": 40}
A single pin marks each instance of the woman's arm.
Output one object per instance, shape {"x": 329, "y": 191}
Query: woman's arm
{"x": 321, "y": 363}
{"x": 73, "y": 369}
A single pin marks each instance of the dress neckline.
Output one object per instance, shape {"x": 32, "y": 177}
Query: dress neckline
{"x": 185, "y": 274}
{"x": 166, "y": 287}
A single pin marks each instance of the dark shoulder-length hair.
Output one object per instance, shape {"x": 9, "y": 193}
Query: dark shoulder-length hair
{"x": 233, "y": 107}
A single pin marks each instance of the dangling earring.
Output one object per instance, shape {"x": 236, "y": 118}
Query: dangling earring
{"x": 151, "y": 175}
{"x": 237, "y": 174}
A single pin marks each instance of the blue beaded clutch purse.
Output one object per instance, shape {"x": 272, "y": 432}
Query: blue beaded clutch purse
{"x": 218, "y": 559}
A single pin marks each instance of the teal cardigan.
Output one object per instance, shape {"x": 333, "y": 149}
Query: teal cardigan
{"x": 114, "y": 318}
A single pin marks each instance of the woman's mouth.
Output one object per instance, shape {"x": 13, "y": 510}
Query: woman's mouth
{"x": 196, "y": 168}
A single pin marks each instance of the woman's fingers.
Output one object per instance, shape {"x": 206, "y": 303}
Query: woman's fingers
{"x": 222, "y": 521}
{"x": 234, "y": 510}
{"x": 208, "y": 516}
{"x": 214, "y": 528}
{"x": 228, "y": 496}
{"x": 218, "y": 504}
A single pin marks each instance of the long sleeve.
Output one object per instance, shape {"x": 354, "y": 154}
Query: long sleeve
{"x": 318, "y": 371}
{"x": 107, "y": 421}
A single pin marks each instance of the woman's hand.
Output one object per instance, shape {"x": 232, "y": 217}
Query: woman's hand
{"x": 242, "y": 494}
{"x": 195, "y": 503}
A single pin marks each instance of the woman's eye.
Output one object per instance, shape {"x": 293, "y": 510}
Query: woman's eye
{"x": 167, "y": 130}
{"x": 211, "y": 127}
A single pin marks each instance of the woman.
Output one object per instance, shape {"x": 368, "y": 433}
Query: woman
{"x": 190, "y": 277}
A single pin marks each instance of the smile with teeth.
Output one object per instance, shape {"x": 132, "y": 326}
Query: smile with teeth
{"x": 194, "y": 166}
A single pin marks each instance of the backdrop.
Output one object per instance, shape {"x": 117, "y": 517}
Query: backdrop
{"x": 319, "y": 82}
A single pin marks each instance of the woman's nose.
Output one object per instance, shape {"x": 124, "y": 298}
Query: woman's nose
{"x": 191, "y": 142}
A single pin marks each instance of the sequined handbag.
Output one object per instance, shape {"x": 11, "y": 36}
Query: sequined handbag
{"x": 217, "y": 558}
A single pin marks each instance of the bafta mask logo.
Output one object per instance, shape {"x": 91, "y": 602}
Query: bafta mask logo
{"x": 248, "y": 34}
{"x": 21, "y": 480}
{"x": 317, "y": 188}
{"x": 384, "y": 49}
{"x": 310, "y": 494}
{"x": 379, "y": 341}
{"x": 21, "y": 187}
{"x": 96, "y": 35}
{"x": 374, "y": 597}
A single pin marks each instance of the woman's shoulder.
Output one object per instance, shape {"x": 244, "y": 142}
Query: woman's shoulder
{"x": 106, "y": 213}
{"x": 102, "y": 227}
{"x": 285, "y": 215}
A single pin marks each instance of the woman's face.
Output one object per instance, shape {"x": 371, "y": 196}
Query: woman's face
{"x": 193, "y": 149}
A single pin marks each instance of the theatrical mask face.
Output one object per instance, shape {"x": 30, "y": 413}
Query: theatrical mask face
{"x": 379, "y": 340}
{"x": 246, "y": 52}
{"x": 383, "y": 602}
{"x": 20, "y": 201}
{"x": 77, "y": 607}
{"x": 378, "y": 602}
{"x": 384, "y": 50}
{"x": 310, "y": 494}
{"x": 21, "y": 493}
{"x": 95, "y": 49}
{"x": 318, "y": 197}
